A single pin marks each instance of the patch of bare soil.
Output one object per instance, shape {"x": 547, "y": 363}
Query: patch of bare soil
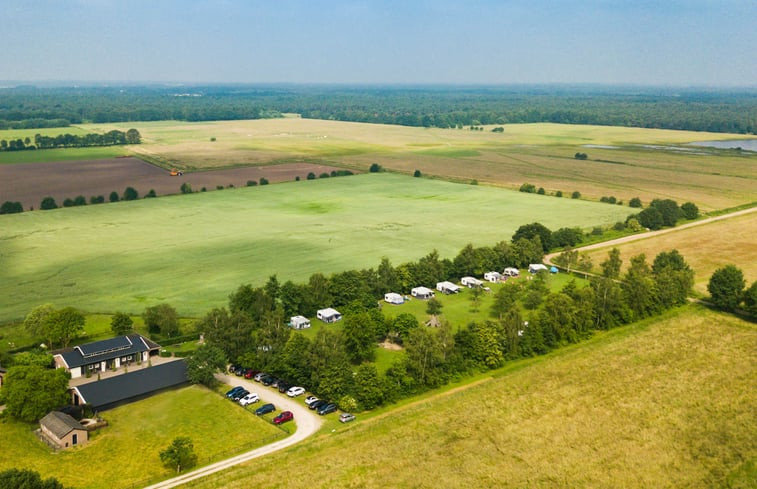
{"x": 388, "y": 345}
{"x": 30, "y": 183}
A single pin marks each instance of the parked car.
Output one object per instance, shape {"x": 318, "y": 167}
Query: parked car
{"x": 310, "y": 400}
{"x": 283, "y": 417}
{"x": 295, "y": 391}
{"x": 268, "y": 380}
{"x": 259, "y": 376}
{"x": 232, "y": 367}
{"x": 250, "y": 373}
{"x": 328, "y": 408}
{"x": 250, "y": 398}
{"x": 240, "y": 394}
{"x": 239, "y": 371}
{"x": 346, "y": 417}
{"x": 265, "y": 409}
{"x": 234, "y": 391}
{"x": 315, "y": 405}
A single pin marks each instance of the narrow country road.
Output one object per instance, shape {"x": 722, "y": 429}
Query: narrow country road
{"x": 307, "y": 424}
{"x": 651, "y": 234}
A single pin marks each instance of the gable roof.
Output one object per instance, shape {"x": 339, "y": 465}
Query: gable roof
{"x": 60, "y": 424}
{"x": 99, "y": 351}
{"x": 109, "y": 392}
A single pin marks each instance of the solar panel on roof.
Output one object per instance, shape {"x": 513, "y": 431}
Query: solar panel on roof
{"x": 104, "y": 346}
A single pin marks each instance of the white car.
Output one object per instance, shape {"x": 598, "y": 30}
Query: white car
{"x": 250, "y": 398}
{"x": 310, "y": 400}
{"x": 295, "y": 391}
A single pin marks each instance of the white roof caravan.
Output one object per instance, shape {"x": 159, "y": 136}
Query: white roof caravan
{"x": 447, "y": 287}
{"x": 394, "y": 298}
{"x": 537, "y": 267}
{"x": 329, "y": 315}
{"x": 511, "y": 272}
{"x": 422, "y": 293}
{"x": 299, "y": 322}
{"x": 493, "y": 277}
{"x": 471, "y": 282}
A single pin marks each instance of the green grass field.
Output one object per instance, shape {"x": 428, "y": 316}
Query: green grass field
{"x": 666, "y": 403}
{"x": 127, "y": 452}
{"x": 192, "y": 251}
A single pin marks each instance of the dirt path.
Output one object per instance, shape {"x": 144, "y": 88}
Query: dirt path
{"x": 307, "y": 424}
{"x": 651, "y": 234}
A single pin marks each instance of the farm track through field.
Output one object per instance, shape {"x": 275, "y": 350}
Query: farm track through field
{"x": 307, "y": 424}
{"x": 651, "y": 234}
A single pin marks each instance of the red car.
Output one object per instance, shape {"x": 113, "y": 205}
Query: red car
{"x": 250, "y": 373}
{"x": 283, "y": 417}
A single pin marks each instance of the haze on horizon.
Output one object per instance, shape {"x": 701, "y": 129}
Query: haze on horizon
{"x": 645, "y": 42}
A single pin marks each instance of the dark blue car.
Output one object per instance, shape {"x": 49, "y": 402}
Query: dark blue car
{"x": 265, "y": 409}
{"x": 233, "y": 391}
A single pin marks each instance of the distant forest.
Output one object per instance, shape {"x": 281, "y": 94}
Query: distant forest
{"x": 716, "y": 110}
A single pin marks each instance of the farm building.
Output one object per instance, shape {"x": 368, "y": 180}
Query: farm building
{"x": 422, "y": 293}
{"x": 101, "y": 356}
{"x": 471, "y": 282}
{"x": 511, "y": 272}
{"x": 329, "y": 315}
{"x": 493, "y": 277}
{"x": 132, "y": 386}
{"x": 537, "y": 267}
{"x": 62, "y": 431}
{"x": 447, "y": 287}
{"x": 394, "y": 298}
{"x": 299, "y": 322}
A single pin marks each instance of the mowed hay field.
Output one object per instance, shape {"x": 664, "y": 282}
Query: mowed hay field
{"x": 640, "y": 163}
{"x": 668, "y": 403}
{"x": 706, "y": 248}
{"x": 127, "y": 452}
{"x": 192, "y": 251}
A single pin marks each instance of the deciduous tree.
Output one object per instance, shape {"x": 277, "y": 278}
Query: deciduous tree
{"x": 726, "y": 287}
{"x": 121, "y": 324}
{"x": 204, "y": 363}
{"x": 30, "y": 392}
{"x": 179, "y": 455}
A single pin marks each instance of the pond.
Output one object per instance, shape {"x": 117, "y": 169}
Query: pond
{"x": 745, "y": 144}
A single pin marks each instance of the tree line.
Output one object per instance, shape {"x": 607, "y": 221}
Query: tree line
{"x": 110, "y": 138}
{"x": 443, "y": 107}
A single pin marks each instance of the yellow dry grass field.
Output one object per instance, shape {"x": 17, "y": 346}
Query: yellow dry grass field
{"x": 668, "y": 403}
{"x": 706, "y": 248}
{"x": 630, "y": 162}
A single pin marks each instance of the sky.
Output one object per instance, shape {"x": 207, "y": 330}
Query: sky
{"x": 640, "y": 42}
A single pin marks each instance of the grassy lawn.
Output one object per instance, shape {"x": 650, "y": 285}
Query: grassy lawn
{"x": 706, "y": 248}
{"x": 664, "y": 403}
{"x": 192, "y": 251}
{"x": 63, "y": 154}
{"x": 127, "y": 451}
{"x": 641, "y": 162}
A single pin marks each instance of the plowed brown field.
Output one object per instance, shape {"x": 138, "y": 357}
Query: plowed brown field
{"x": 30, "y": 183}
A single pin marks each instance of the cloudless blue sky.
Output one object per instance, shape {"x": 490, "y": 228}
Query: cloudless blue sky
{"x": 661, "y": 42}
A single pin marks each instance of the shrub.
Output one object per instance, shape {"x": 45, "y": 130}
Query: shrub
{"x": 80, "y": 200}
{"x": 619, "y": 226}
{"x": 375, "y": 168}
{"x": 417, "y": 174}
{"x": 498, "y": 129}
{"x": 9, "y": 207}
{"x": 68, "y": 203}
{"x": 219, "y": 187}
{"x": 130, "y": 194}
{"x": 690, "y": 210}
{"x": 580, "y": 156}
{"x": 541, "y": 191}
{"x": 252, "y": 183}
{"x": 608, "y": 200}
{"x": 597, "y": 231}
{"x": 204, "y": 189}
{"x": 333, "y": 173}
{"x": 186, "y": 188}
{"x": 263, "y": 181}
{"x": 323, "y": 175}
{"x": 213, "y": 140}
{"x": 297, "y": 178}
{"x": 114, "y": 196}
{"x": 231, "y": 185}
{"x": 528, "y": 188}
{"x": 48, "y": 203}
{"x": 558, "y": 193}
{"x": 634, "y": 202}
{"x": 311, "y": 176}
{"x": 575, "y": 195}
{"x": 151, "y": 194}
{"x": 96, "y": 199}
